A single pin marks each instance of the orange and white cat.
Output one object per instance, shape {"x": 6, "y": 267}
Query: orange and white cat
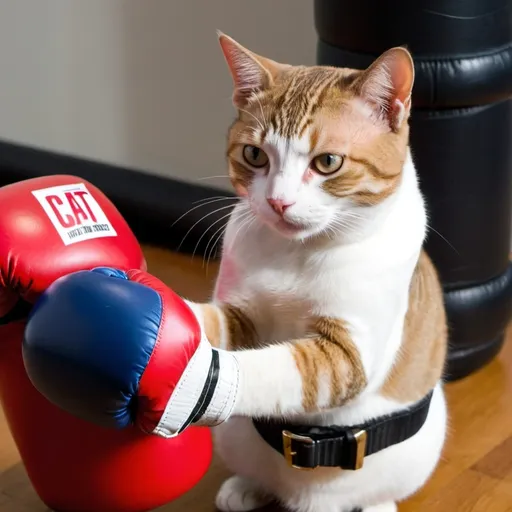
{"x": 333, "y": 309}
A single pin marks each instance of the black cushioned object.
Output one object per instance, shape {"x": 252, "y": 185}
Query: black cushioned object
{"x": 461, "y": 139}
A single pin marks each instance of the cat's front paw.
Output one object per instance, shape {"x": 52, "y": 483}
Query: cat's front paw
{"x": 238, "y": 494}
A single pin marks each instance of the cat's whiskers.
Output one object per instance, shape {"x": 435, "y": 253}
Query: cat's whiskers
{"x": 220, "y": 232}
{"x": 355, "y": 215}
{"x": 249, "y": 223}
{"x": 254, "y": 117}
{"x": 206, "y": 199}
{"x": 208, "y": 229}
{"x": 440, "y": 235}
{"x": 204, "y": 202}
{"x": 350, "y": 223}
{"x": 203, "y": 178}
{"x": 347, "y": 214}
{"x": 341, "y": 226}
{"x": 345, "y": 221}
{"x": 265, "y": 123}
{"x": 334, "y": 229}
{"x": 202, "y": 218}
{"x": 244, "y": 223}
{"x": 330, "y": 232}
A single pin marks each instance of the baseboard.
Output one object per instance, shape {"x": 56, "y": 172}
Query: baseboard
{"x": 149, "y": 203}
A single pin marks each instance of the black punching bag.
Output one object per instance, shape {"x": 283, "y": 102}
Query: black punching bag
{"x": 461, "y": 140}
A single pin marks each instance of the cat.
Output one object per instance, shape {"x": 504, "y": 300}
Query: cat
{"x": 324, "y": 287}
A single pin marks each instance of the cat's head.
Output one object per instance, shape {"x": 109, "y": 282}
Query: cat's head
{"x": 314, "y": 149}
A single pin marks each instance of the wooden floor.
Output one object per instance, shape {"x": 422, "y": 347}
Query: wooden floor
{"x": 474, "y": 476}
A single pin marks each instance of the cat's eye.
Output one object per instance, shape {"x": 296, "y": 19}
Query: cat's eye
{"x": 328, "y": 163}
{"x": 255, "y": 156}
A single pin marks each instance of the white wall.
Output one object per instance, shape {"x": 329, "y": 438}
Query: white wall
{"x": 140, "y": 83}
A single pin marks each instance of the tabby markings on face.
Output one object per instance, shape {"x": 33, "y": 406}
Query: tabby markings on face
{"x": 313, "y": 146}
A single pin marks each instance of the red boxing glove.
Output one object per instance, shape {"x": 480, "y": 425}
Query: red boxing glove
{"x": 50, "y": 227}
{"x": 55, "y": 225}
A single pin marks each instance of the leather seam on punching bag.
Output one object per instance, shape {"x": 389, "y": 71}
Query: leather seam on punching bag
{"x": 456, "y": 81}
{"x": 444, "y": 113}
{"x": 481, "y": 312}
{"x": 425, "y": 57}
{"x": 463, "y": 56}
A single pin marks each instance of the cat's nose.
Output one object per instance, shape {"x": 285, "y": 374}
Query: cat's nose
{"x": 279, "y": 205}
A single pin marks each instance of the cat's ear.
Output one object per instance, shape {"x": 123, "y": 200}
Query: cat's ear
{"x": 387, "y": 86}
{"x": 250, "y": 72}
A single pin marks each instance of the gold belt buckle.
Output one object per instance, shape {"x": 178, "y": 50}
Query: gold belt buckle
{"x": 288, "y": 437}
{"x": 360, "y": 437}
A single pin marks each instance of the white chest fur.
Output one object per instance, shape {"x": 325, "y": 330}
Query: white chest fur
{"x": 282, "y": 283}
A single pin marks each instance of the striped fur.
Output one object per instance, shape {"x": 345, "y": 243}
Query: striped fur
{"x": 315, "y": 358}
{"x": 324, "y": 291}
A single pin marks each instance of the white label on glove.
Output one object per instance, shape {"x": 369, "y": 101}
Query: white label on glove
{"x": 74, "y": 212}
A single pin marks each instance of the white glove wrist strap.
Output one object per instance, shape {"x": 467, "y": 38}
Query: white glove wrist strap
{"x": 205, "y": 394}
{"x": 226, "y": 391}
{"x": 188, "y": 393}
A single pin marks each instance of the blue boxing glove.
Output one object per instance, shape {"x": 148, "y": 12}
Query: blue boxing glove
{"x": 118, "y": 349}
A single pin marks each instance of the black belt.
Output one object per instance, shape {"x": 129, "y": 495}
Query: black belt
{"x": 308, "y": 447}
